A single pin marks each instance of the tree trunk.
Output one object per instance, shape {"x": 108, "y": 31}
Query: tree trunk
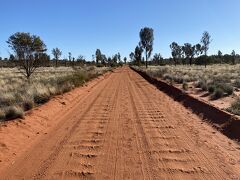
{"x": 146, "y": 61}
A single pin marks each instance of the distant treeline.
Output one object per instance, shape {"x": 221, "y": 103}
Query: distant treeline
{"x": 29, "y": 52}
{"x": 201, "y": 60}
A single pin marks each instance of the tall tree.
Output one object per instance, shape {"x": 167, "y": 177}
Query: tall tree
{"x": 220, "y": 56}
{"x": 119, "y": 58}
{"x": 103, "y": 59}
{"x": 206, "y": 40}
{"x": 146, "y": 42}
{"x": 233, "y": 57}
{"x": 26, "y": 48}
{"x": 131, "y": 56}
{"x": 176, "y": 52}
{"x": 57, "y": 54}
{"x": 189, "y": 52}
{"x": 138, "y": 55}
{"x": 69, "y": 57}
{"x": 125, "y": 60}
{"x": 98, "y": 55}
{"x": 157, "y": 58}
{"x": 198, "y": 49}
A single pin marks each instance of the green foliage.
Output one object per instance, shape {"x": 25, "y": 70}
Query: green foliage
{"x": 28, "y": 49}
{"x": 211, "y": 89}
{"x": 176, "y": 52}
{"x": 146, "y": 42}
{"x": 206, "y": 40}
{"x": 138, "y": 55}
{"x": 57, "y": 54}
{"x": 218, "y": 93}
{"x": 202, "y": 84}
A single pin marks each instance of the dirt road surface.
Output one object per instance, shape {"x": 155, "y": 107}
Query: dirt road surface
{"x": 125, "y": 128}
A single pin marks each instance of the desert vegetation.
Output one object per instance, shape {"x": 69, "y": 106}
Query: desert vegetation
{"x": 19, "y": 94}
{"x": 29, "y": 76}
{"x": 216, "y": 81}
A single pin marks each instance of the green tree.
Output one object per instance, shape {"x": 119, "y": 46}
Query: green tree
{"x": 103, "y": 59}
{"x": 176, "y": 52}
{"x": 119, "y": 58}
{"x": 220, "y": 56}
{"x": 125, "y": 60}
{"x": 198, "y": 49}
{"x": 57, "y": 54}
{"x": 98, "y": 55}
{"x": 138, "y": 55}
{"x": 146, "y": 42}
{"x": 26, "y": 48}
{"x": 233, "y": 54}
{"x": 131, "y": 56}
{"x": 189, "y": 52}
{"x": 206, "y": 40}
{"x": 11, "y": 57}
{"x": 157, "y": 58}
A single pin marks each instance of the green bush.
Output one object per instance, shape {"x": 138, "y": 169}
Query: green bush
{"x": 211, "y": 89}
{"x": 202, "y": 85}
{"x": 218, "y": 93}
{"x": 228, "y": 89}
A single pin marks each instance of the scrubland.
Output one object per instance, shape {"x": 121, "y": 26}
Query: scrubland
{"x": 217, "y": 81}
{"x": 19, "y": 94}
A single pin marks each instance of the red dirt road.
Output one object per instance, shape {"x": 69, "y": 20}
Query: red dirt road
{"x": 125, "y": 128}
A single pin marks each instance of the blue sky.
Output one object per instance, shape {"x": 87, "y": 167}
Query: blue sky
{"x": 82, "y": 26}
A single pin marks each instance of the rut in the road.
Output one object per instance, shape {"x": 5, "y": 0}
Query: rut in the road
{"x": 127, "y": 129}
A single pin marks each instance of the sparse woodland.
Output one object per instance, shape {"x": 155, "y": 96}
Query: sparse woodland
{"x": 30, "y": 77}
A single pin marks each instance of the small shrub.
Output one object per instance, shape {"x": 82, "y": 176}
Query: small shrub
{"x": 41, "y": 96}
{"x": 178, "y": 80}
{"x": 235, "y": 107}
{"x": 211, "y": 89}
{"x": 204, "y": 87}
{"x": 218, "y": 93}
{"x": 2, "y": 115}
{"x": 168, "y": 77}
{"x": 201, "y": 84}
{"x": 28, "y": 104}
{"x": 185, "y": 86}
{"x": 228, "y": 89}
{"x": 237, "y": 83}
{"x": 14, "y": 112}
